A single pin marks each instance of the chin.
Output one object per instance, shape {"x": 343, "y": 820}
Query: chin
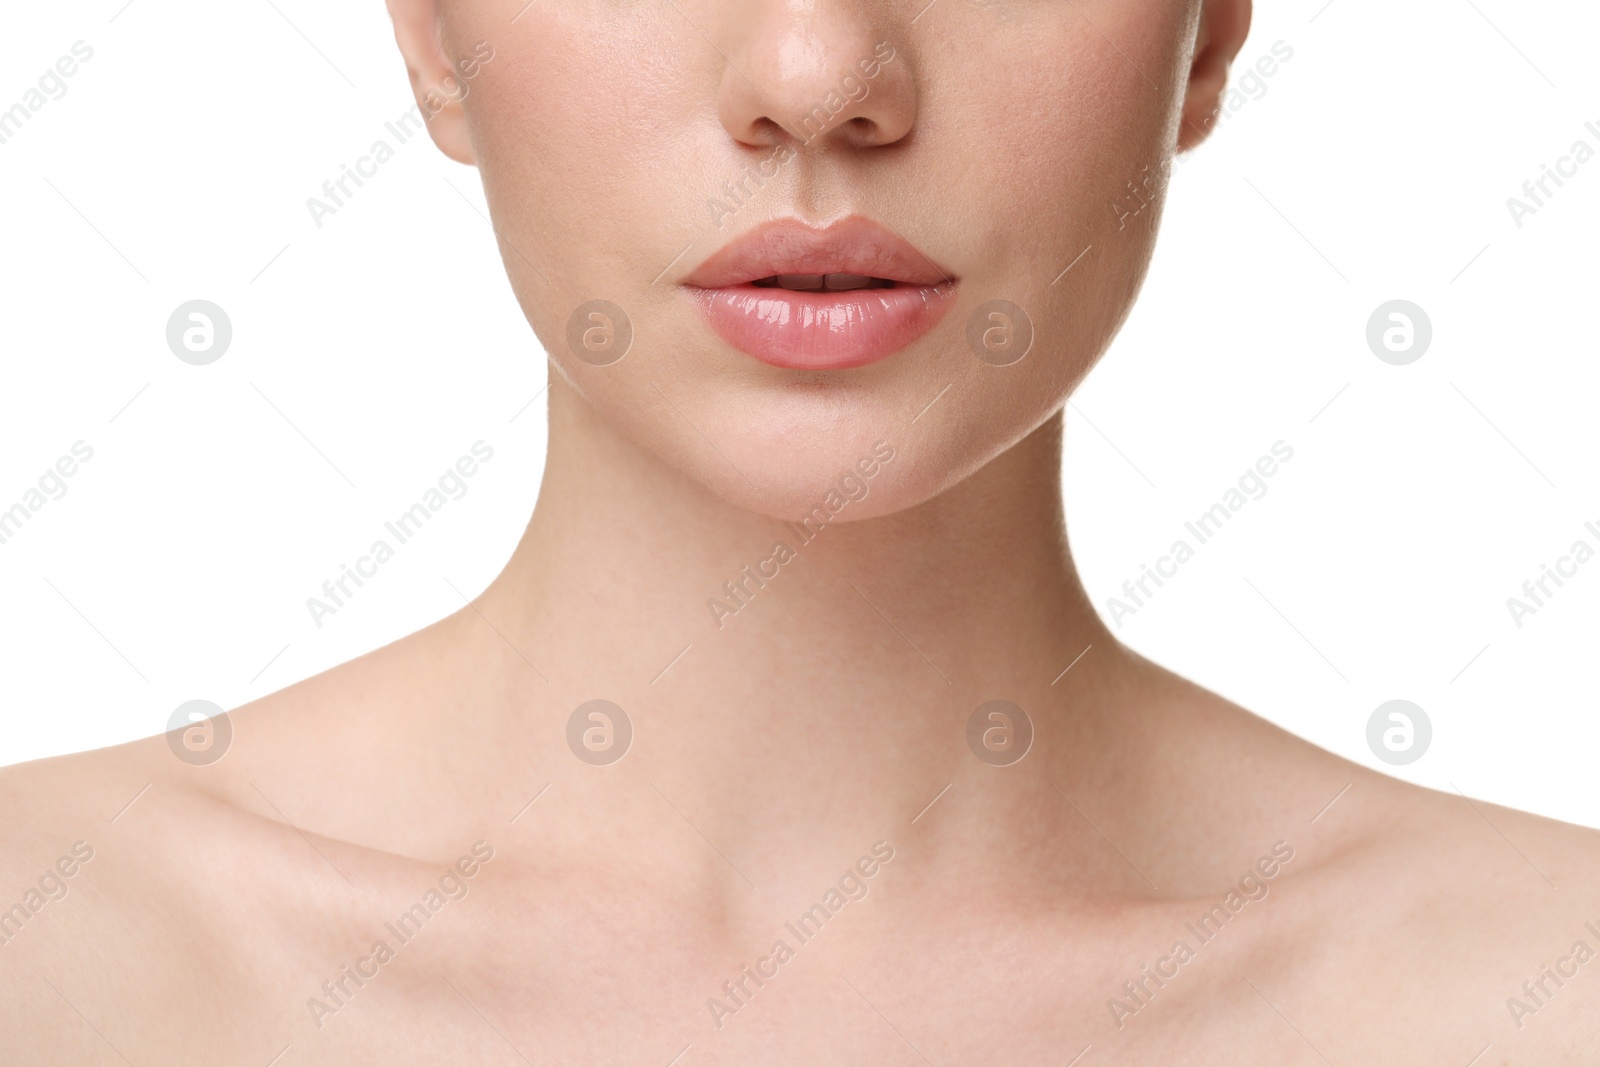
{"x": 856, "y": 475}
{"x": 786, "y": 449}
{"x": 834, "y": 453}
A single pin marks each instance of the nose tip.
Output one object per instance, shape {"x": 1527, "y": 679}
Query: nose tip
{"x": 826, "y": 77}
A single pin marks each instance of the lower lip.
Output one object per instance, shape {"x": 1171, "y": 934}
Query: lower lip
{"x": 823, "y": 330}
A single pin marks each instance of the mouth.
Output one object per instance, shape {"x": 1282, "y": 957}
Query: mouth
{"x": 807, "y": 298}
{"x": 822, "y": 283}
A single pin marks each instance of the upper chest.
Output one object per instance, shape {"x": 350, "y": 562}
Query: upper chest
{"x": 406, "y": 964}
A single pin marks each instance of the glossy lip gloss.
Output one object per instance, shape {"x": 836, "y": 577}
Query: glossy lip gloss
{"x": 806, "y": 298}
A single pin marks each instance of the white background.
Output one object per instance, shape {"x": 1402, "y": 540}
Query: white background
{"x": 369, "y": 354}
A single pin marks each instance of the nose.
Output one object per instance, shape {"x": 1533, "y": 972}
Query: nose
{"x": 816, "y": 73}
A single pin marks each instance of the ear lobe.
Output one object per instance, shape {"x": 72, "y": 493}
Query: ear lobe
{"x": 1224, "y": 24}
{"x": 435, "y": 83}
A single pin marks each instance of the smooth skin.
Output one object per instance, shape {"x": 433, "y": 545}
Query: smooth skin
{"x": 772, "y": 751}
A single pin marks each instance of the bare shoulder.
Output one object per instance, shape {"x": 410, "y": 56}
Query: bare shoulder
{"x": 202, "y": 867}
{"x": 1443, "y": 923}
{"x": 77, "y": 889}
{"x": 1410, "y": 926}
{"x": 67, "y": 805}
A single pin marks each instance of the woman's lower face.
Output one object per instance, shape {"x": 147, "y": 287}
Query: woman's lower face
{"x": 791, "y": 231}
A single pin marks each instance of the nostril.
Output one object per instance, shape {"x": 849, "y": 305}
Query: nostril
{"x": 806, "y": 85}
{"x": 768, "y": 133}
{"x": 863, "y": 127}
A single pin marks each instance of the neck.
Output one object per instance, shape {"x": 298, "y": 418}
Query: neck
{"x": 849, "y": 662}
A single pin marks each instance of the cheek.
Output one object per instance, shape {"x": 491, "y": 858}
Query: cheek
{"x": 1057, "y": 141}
{"x": 577, "y": 126}
{"x": 1057, "y": 158}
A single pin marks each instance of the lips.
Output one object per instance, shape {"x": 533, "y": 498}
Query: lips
{"x": 807, "y": 298}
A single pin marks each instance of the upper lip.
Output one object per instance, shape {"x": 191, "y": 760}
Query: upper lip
{"x": 852, "y": 245}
